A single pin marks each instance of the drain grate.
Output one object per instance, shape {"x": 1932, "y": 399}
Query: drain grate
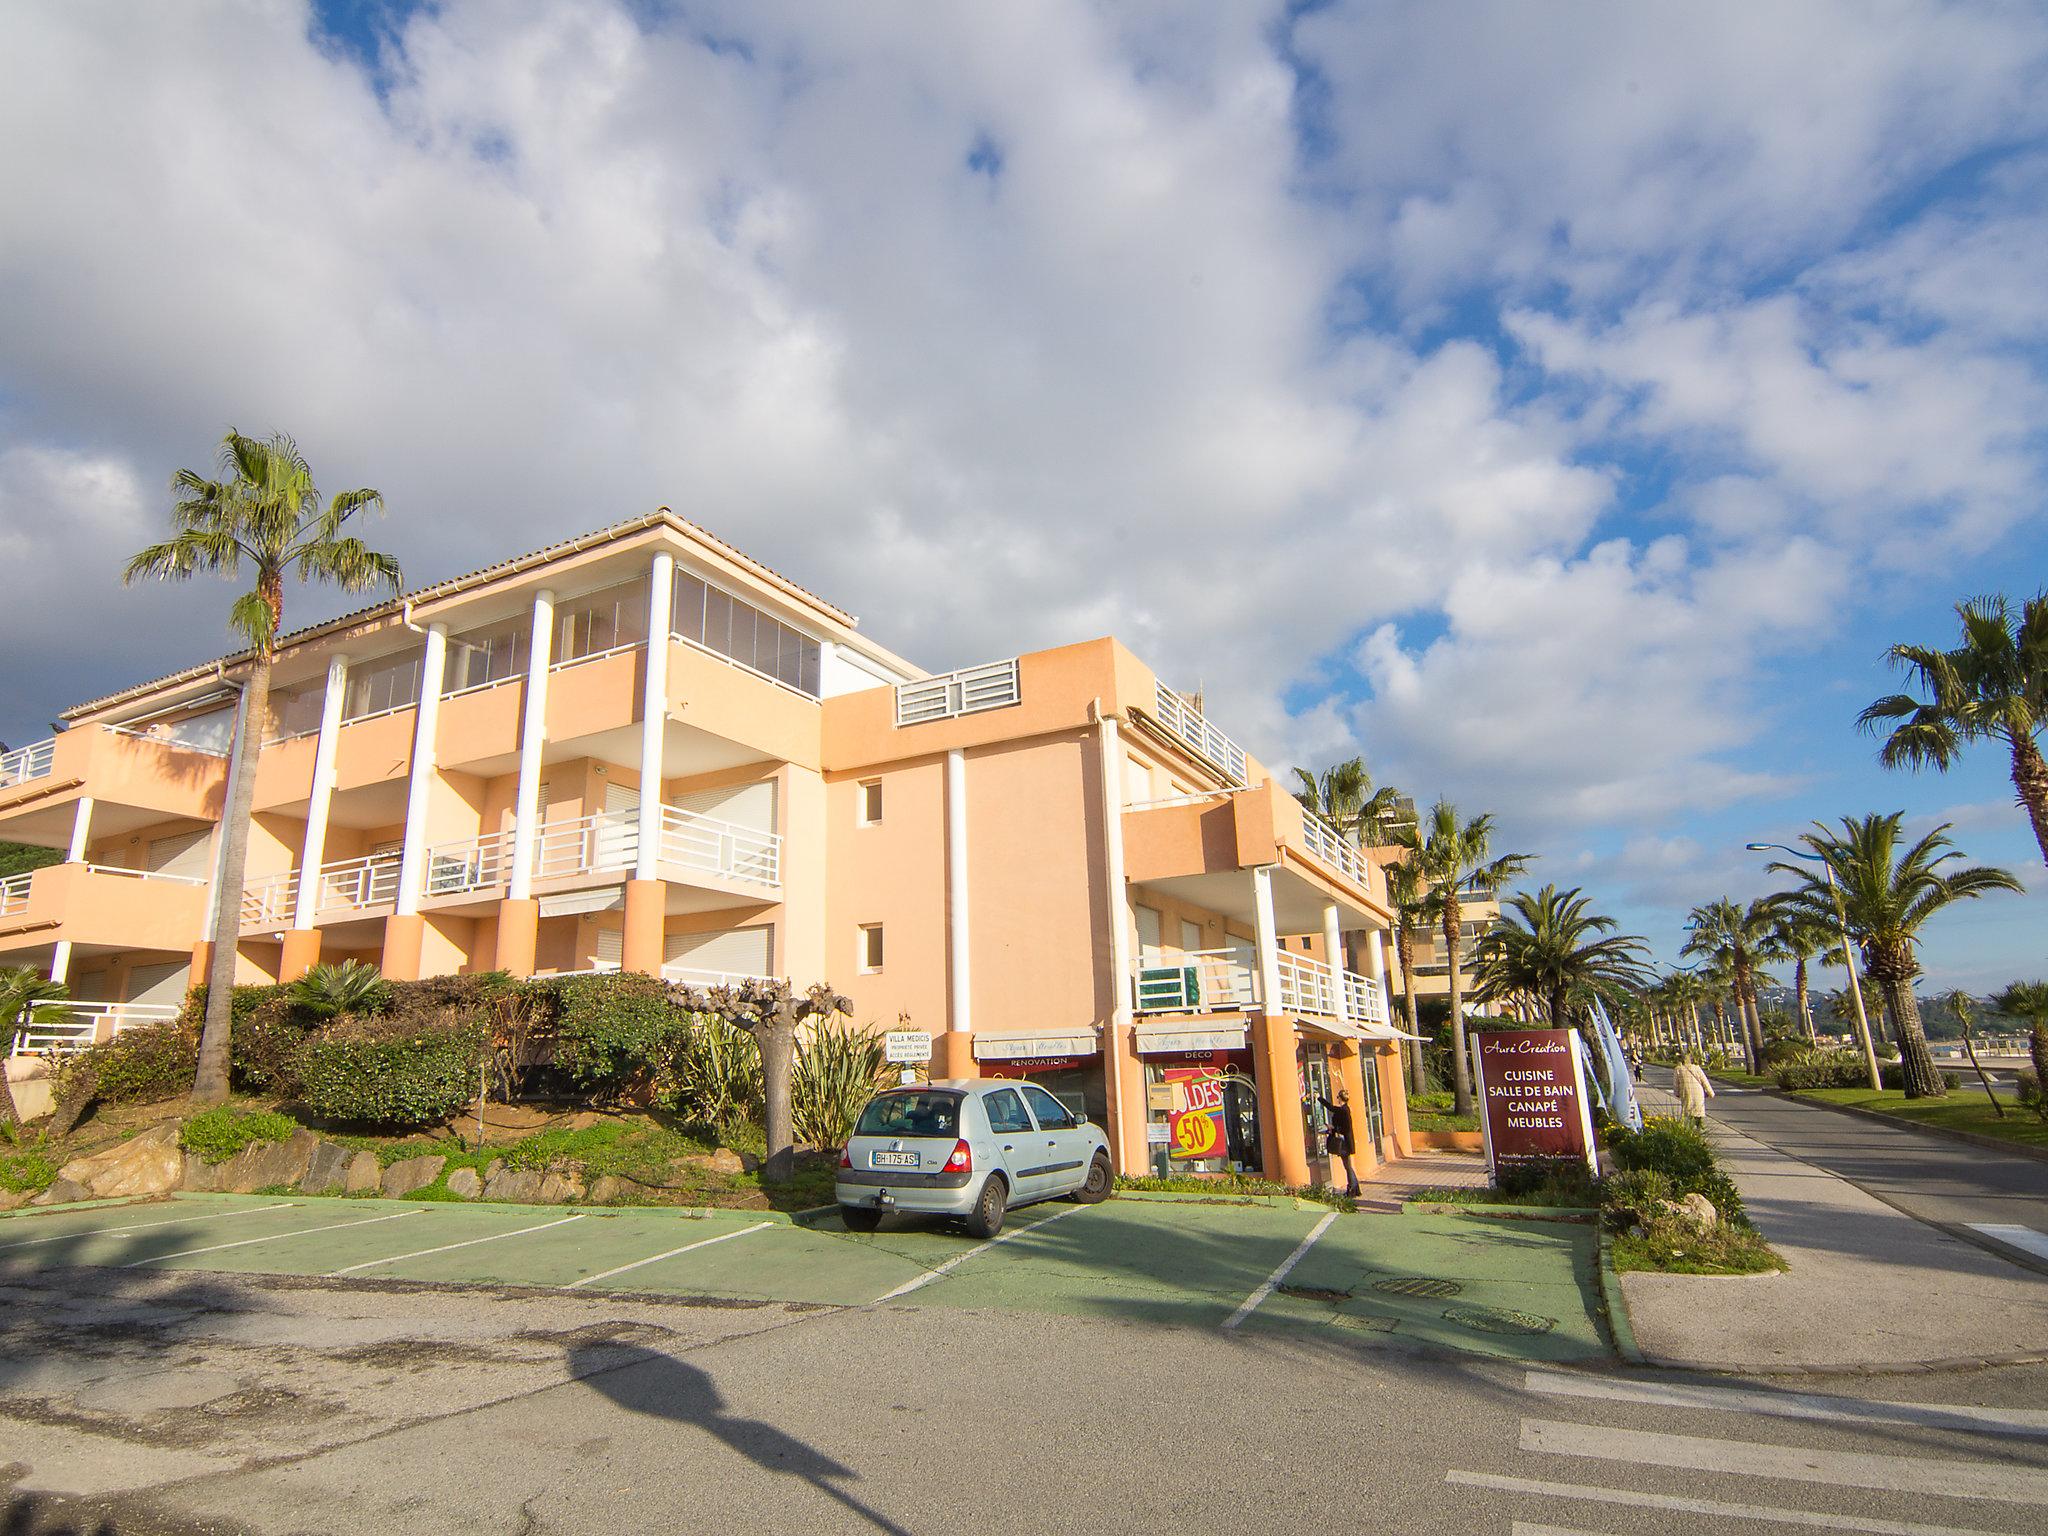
{"x": 1313, "y": 1293}
{"x": 1417, "y": 1285}
{"x": 1364, "y": 1322}
{"x": 1498, "y": 1320}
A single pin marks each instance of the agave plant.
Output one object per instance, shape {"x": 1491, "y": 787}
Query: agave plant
{"x": 837, "y": 1071}
{"x": 329, "y": 991}
{"x": 714, "y": 1076}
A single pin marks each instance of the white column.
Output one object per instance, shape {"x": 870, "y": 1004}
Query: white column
{"x": 412, "y": 862}
{"x": 526, "y": 825}
{"x": 1376, "y": 958}
{"x": 74, "y": 853}
{"x": 313, "y": 852}
{"x": 1267, "y": 934}
{"x": 960, "y": 998}
{"x": 654, "y": 714}
{"x": 1117, "y": 899}
{"x": 1333, "y": 946}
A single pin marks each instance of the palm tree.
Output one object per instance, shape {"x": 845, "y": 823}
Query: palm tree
{"x": 1799, "y": 936}
{"x": 2028, "y": 1000}
{"x": 264, "y": 512}
{"x": 1888, "y": 892}
{"x": 1342, "y": 795}
{"x": 1456, "y": 857}
{"x": 1739, "y": 938}
{"x": 1552, "y": 949}
{"x": 1994, "y": 686}
{"x": 26, "y": 997}
{"x": 1405, "y": 894}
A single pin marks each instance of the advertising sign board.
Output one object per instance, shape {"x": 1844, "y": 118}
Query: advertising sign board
{"x": 1532, "y": 1096}
{"x": 907, "y": 1045}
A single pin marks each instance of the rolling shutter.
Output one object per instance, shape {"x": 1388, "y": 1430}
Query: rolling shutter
{"x": 737, "y": 951}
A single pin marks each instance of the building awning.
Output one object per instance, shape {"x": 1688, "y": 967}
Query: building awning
{"x": 1333, "y": 1028}
{"x": 1034, "y": 1047}
{"x": 1169, "y": 1040}
{"x": 1372, "y": 1029}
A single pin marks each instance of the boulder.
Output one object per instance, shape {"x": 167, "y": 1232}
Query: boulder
{"x": 518, "y": 1185}
{"x": 724, "y": 1160}
{"x": 611, "y": 1188}
{"x": 402, "y": 1178}
{"x": 328, "y": 1169}
{"x": 365, "y": 1175}
{"x": 146, "y": 1164}
{"x": 62, "y": 1191}
{"x": 1700, "y": 1211}
{"x": 265, "y": 1165}
{"x": 561, "y": 1188}
{"x": 10, "y": 1198}
{"x": 465, "y": 1182}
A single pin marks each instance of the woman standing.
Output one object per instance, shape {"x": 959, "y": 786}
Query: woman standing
{"x": 1338, "y": 1140}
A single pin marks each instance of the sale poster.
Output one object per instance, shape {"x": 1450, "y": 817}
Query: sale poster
{"x": 1194, "y": 1116}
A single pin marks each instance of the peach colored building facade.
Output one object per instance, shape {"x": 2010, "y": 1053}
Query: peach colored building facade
{"x": 643, "y": 750}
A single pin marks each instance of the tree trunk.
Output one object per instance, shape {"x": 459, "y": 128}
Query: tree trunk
{"x": 2039, "y": 1044}
{"x": 10, "y": 1116}
{"x": 1461, "y": 1073}
{"x": 1916, "y": 1062}
{"x": 1404, "y": 949}
{"x": 210, "y": 1084}
{"x": 1753, "y": 1027}
{"x": 2030, "y": 778}
{"x": 777, "y": 1039}
{"x": 1805, "y": 1008}
{"x": 1556, "y": 1008}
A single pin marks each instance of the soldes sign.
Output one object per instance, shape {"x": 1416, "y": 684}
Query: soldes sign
{"x": 1532, "y": 1096}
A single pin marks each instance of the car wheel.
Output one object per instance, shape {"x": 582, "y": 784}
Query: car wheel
{"x": 986, "y": 1219}
{"x": 860, "y": 1218}
{"x": 1097, "y": 1187}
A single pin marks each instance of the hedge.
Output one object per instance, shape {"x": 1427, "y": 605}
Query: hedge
{"x": 393, "y": 1071}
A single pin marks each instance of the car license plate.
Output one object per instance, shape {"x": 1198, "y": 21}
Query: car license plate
{"x": 892, "y": 1160}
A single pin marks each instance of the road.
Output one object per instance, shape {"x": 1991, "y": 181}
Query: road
{"x": 1954, "y": 1185}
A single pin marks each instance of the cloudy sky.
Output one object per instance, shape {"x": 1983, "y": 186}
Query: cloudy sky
{"x": 1564, "y": 406}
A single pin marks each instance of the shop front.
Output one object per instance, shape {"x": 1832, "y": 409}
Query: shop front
{"x": 1069, "y": 1067}
{"x": 1201, "y": 1101}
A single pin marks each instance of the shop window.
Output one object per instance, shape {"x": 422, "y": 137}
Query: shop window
{"x": 1006, "y": 1113}
{"x": 870, "y": 802}
{"x": 870, "y": 947}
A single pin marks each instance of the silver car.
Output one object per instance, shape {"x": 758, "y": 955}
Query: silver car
{"x": 972, "y": 1147}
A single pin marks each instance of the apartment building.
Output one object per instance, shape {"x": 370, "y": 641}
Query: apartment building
{"x": 1430, "y": 956}
{"x": 641, "y": 749}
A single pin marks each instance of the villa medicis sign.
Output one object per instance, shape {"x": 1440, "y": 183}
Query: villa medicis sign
{"x": 1532, "y": 1090}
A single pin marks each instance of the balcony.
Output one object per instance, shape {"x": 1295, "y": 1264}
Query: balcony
{"x": 1219, "y": 980}
{"x": 1334, "y": 849}
{"x": 693, "y": 846}
{"x": 1188, "y": 725}
{"x": 88, "y": 1024}
{"x": 346, "y": 886}
{"x": 102, "y": 905}
{"x": 25, "y": 763}
{"x": 965, "y": 692}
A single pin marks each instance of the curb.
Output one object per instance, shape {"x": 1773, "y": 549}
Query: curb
{"x": 1224, "y": 1197}
{"x": 1620, "y": 1327}
{"x": 1970, "y": 1138}
{"x": 1500, "y": 1212}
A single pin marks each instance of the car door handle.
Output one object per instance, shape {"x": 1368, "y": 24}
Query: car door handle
{"x": 1008, "y": 1148}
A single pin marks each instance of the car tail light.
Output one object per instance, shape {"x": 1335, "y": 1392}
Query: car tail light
{"x": 962, "y": 1160}
{"x": 846, "y": 1158}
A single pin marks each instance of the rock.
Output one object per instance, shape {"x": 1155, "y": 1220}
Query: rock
{"x": 560, "y": 1188}
{"x": 402, "y": 1178}
{"x": 611, "y": 1188}
{"x": 519, "y": 1185}
{"x": 146, "y": 1164}
{"x": 328, "y": 1169}
{"x": 724, "y": 1160}
{"x": 465, "y": 1182}
{"x": 1699, "y": 1210}
{"x": 493, "y": 1168}
{"x": 62, "y": 1191}
{"x": 267, "y": 1165}
{"x": 365, "y": 1175}
{"x": 10, "y": 1198}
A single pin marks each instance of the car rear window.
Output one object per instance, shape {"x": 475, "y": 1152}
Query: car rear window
{"x": 921, "y": 1113}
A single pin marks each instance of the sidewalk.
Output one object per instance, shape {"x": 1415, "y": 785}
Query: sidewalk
{"x": 1869, "y": 1287}
{"x": 1391, "y": 1183}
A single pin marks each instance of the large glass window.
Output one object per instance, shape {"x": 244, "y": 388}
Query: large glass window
{"x": 1006, "y": 1112}
{"x": 914, "y": 1112}
{"x": 715, "y": 619}
{"x": 488, "y": 655}
{"x": 601, "y": 621}
{"x": 378, "y": 686}
{"x": 296, "y": 711}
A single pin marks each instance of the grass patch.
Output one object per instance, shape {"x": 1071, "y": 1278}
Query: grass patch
{"x": 1223, "y": 1185}
{"x": 1672, "y": 1247}
{"x": 217, "y": 1134}
{"x": 1958, "y": 1110}
{"x": 1736, "y": 1077}
{"x": 1487, "y": 1195}
{"x": 25, "y": 1173}
{"x": 1437, "y": 1112}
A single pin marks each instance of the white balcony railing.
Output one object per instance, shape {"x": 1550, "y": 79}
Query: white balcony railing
{"x": 1333, "y": 848}
{"x": 1192, "y": 727}
{"x": 990, "y": 686}
{"x": 29, "y": 762}
{"x": 607, "y": 841}
{"x": 14, "y": 893}
{"x": 86, "y": 1023}
{"x": 1365, "y": 999}
{"x": 351, "y": 885}
{"x": 1200, "y": 981}
{"x": 474, "y": 864}
{"x": 1307, "y": 986}
{"x": 714, "y": 847}
{"x": 690, "y": 976}
{"x": 122, "y": 871}
{"x": 270, "y": 902}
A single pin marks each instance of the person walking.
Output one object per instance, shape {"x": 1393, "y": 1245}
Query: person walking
{"x": 1690, "y": 1082}
{"x": 1338, "y": 1141}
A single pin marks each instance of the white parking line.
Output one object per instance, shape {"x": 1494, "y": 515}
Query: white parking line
{"x": 332, "y": 1226}
{"x": 1795, "y": 1463}
{"x": 1794, "y": 1405}
{"x": 449, "y": 1247}
{"x": 961, "y": 1258}
{"x": 144, "y": 1226}
{"x": 1250, "y": 1304}
{"x": 2026, "y": 1239}
{"x": 1634, "y": 1499}
{"x": 702, "y": 1242}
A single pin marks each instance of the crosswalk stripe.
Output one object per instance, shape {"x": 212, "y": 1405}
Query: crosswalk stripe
{"x": 1250, "y": 1304}
{"x": 1804, "y": 1464}
{"x": 702, "y": 1242}
{"x": 1793, "y": 1405}
{"x": 1689, "y": 1506}
{"x": 2026, "y": 1239}
{"x": 250, "y": 1242}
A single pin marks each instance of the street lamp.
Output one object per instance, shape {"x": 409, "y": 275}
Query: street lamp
{"x": 1848, "y": 952}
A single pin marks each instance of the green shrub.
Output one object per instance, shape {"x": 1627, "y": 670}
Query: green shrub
{"x": 2027, "y": 1086}
{"x": 1679, "y": 1151}
{"x": 1824, "y": 1069}
{"x": 218, "y": 1134}
{"x": 329, "y": 991}
{"x": 712, "y": 1073}
{"x": 1548, "y": 1181}
{"x": 26, "y": 1172}
{"x": 613, "y": 1032}
{"x": 1779, "y": 1052}
{"x": 836, "y": 1072}
{"x": 143, "y": 1065}
{"x": 1634, "y": 1196}
{"x": 393, "y": 1071}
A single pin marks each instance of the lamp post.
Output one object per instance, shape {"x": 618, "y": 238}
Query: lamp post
{"x": 1848, "y": 952}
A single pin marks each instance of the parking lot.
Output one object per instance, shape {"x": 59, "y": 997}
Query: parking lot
{"x": 1525, "y": 1290}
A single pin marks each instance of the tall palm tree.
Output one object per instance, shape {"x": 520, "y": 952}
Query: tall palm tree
{"x": 1343, "y": 795}
{"x": 1799, "y": 936}
{"x": 1553, "y": 949}
{"x": 1992, "y": 687}
{"x": 1740, "y": 939}
{"x": 1407, "y": 896}
{"x": 26, "y": 997}
{"x": 2028, "y": 1000}
{"x": 266, "y": 513}
{"x": 1889, "y": 891}
{"x": 1456, "y": 857}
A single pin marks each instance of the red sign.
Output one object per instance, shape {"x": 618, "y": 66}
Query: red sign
{"x": 1532, "y": 1095}
{"x": 1195, "y": 1122}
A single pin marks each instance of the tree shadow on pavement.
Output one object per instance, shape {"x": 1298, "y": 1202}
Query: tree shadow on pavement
{"x": 649, "y": 1382}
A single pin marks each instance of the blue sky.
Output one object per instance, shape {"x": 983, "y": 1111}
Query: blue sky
{"x": 1562, "y": 406}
